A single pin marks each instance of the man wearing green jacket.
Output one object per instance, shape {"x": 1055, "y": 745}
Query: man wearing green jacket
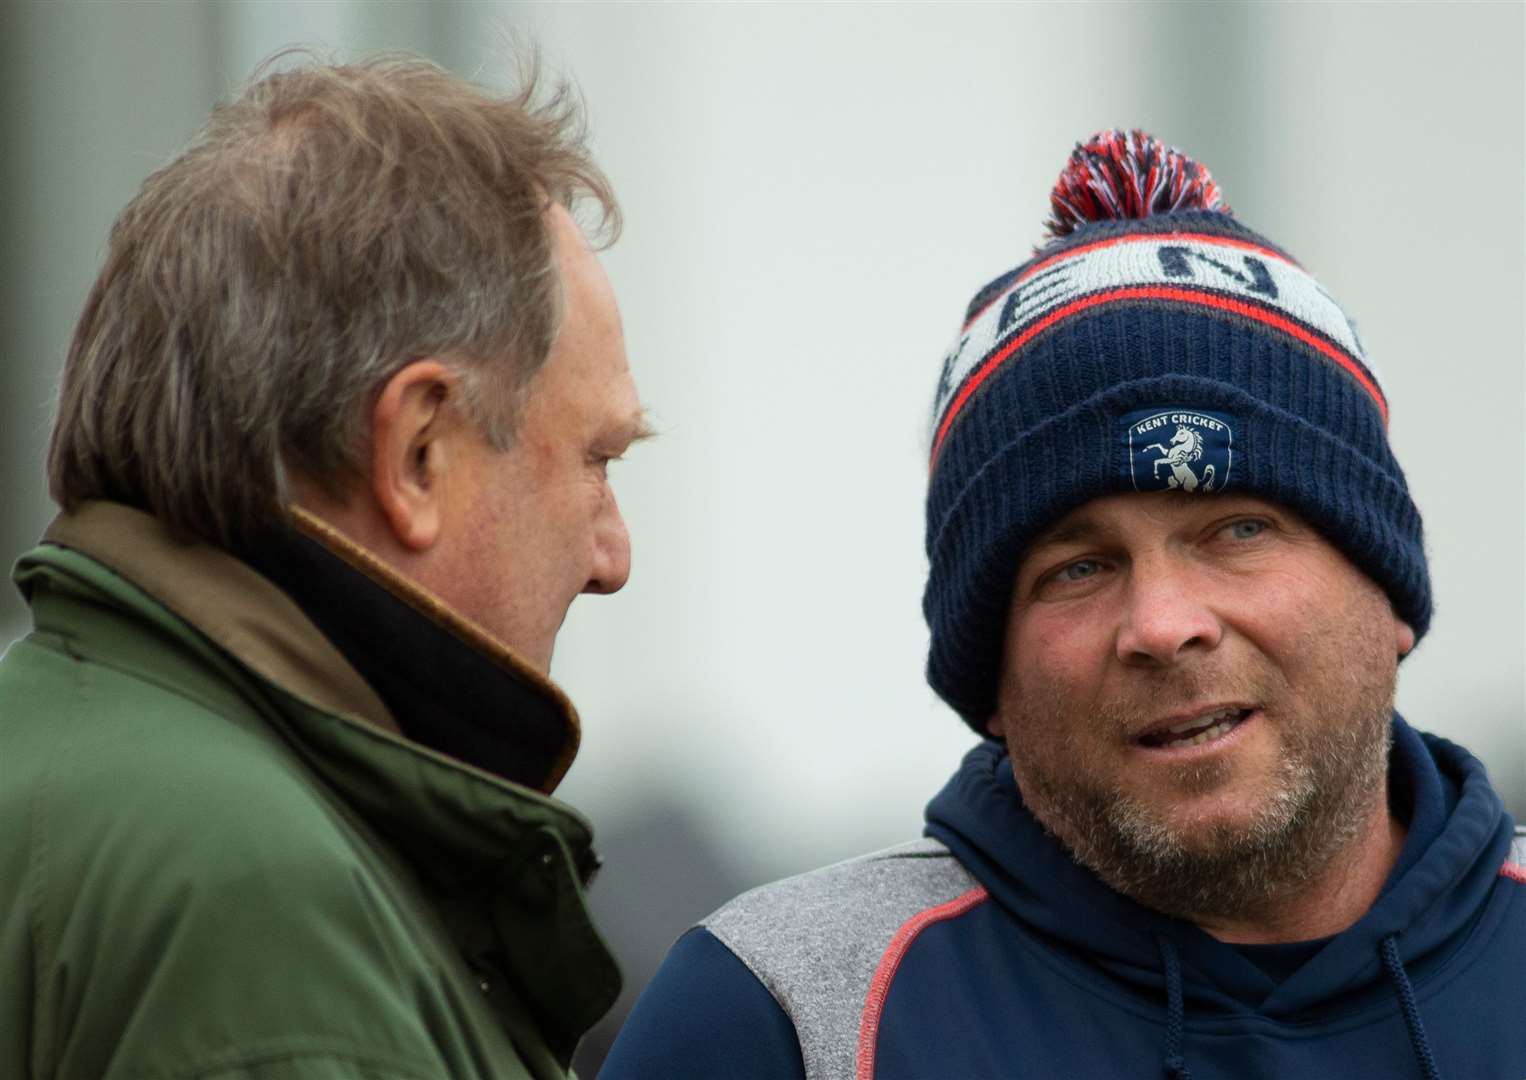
{"x": 275, "y": 760}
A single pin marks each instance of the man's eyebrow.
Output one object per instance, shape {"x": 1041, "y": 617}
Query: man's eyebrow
{"x": 1068, "y": 531}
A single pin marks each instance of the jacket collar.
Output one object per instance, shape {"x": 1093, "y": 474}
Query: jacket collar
{"x": 327, "y": 621}
{"x": 449, "y": 683}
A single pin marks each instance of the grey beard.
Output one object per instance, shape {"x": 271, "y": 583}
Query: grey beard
{"x": 1328, "y": 781}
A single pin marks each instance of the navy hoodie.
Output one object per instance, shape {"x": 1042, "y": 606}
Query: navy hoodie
{"x": 985, "y": 951}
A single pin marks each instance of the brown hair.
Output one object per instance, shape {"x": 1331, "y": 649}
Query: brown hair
{"x": 326, "y": 227}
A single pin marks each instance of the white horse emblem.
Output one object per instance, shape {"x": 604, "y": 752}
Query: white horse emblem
{"x": 1186, "y": 447}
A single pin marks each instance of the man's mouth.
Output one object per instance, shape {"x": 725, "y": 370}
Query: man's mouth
{"x": 1196, "y": 730}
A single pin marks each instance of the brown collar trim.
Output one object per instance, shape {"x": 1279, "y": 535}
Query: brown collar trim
{"x": 257, "y": 622}
{"x": 224, "y": 598}
{"x": 470, "y": 633}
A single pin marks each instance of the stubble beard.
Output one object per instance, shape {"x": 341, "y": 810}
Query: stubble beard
{"x": 1330, "y": 773}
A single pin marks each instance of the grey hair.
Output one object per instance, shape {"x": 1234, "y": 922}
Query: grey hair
{"x": 326, "y": 227}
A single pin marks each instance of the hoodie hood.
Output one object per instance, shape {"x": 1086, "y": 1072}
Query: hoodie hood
{"x": 1459, "y": 836}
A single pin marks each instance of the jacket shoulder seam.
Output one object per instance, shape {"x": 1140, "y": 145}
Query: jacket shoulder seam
{"x": 890, "y": 962}
{"x": 816, "y": 940}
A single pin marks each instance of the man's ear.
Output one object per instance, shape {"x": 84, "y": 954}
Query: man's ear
{"x": 996, "y": 727}
{"x": 411, "y": 427}
{"x": 1404, "y": 636}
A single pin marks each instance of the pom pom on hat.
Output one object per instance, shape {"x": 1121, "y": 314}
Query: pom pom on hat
{"x": 1127, "y": 174}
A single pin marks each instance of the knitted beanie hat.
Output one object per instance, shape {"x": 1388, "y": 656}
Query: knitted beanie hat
{"x": 1154, "y": 343}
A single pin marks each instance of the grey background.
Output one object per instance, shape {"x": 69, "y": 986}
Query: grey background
{"x": 812, "y": 195}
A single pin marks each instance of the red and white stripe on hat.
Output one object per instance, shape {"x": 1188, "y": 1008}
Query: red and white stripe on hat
{"x": 1225, "y": 274}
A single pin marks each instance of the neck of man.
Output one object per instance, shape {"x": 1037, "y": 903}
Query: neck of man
{"x": 1328, "y": 901}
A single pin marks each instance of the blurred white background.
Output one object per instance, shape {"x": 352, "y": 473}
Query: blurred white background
{"x": 812, "y": 193}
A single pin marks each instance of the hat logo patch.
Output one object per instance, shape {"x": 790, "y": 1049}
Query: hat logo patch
{"x": 1179, "y": 450}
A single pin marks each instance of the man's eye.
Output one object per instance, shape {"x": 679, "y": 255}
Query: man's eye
{"x": 1078, "y": 571}
{"x": 1245, "y": 530}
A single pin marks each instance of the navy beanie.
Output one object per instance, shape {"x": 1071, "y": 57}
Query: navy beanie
{"x": 1154, "y": 343}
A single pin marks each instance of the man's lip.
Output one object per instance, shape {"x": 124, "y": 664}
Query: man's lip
{"x": 1192, "y": 716}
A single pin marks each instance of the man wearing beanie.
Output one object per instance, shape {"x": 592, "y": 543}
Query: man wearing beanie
{"x": 1173, "y": 569}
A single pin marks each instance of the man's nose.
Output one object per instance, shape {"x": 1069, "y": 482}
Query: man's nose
{"x": 612, "y": 551}
{"x": 1168, "y": 615}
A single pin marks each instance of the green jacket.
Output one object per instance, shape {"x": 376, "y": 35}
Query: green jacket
{"x": 219, "y": 858}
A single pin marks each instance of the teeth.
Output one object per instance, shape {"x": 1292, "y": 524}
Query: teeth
{"x": 1226, "y": 722}
{"x": 1205, "y": 736}
{"x": 1206, "y": 718}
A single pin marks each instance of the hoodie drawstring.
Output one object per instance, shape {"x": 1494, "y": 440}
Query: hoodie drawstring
{"x": 1400, "y": 978}
{"x": 1174, "y": 1064}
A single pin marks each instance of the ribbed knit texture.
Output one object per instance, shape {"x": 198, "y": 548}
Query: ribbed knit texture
{"x": 1041, "y": 436}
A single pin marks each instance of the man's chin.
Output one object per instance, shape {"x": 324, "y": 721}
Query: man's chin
{"x": 1205, "y": 826}
{"x": 1222, "y": 851}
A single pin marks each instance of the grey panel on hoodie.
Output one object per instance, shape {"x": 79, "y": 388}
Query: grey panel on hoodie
{"x": 841, "y": 920}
